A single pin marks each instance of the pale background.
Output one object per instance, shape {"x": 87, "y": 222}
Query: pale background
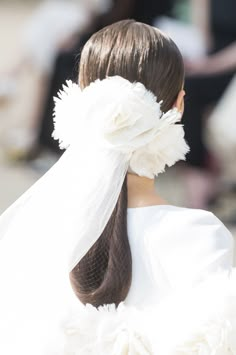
{"x": 15, "y": 178}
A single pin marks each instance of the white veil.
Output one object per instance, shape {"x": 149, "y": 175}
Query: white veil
{"x": 45, "y": 233}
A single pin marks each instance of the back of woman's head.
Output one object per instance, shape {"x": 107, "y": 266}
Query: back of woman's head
{"x": 138, "y": 53}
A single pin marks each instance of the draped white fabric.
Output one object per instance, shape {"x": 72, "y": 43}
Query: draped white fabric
{"x": 52, "y": 226}
{"x": 45, "y": 235}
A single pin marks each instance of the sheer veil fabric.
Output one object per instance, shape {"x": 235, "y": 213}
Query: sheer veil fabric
{"x": 43, "y": 241}
{"x": 45, "y": 233}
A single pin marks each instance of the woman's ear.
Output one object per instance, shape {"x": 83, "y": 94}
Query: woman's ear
{"x": 179, "y": 103}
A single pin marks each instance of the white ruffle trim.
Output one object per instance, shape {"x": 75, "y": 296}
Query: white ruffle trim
{"x": 106, "y": 330}
{"x": 200, "y": 321}
{"x": 123, "y": 116}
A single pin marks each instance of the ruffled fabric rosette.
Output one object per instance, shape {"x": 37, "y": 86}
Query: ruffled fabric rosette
{"x": 124, "y": 116}
{"x": 198, "y": 321}
{"x": 106, "y": 330}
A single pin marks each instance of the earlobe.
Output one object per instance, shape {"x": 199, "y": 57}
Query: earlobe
{"x": 179, "y": 103}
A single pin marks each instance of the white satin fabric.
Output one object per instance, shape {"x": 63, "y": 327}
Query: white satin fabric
{"x": 181, "y": 300}
{"x": 172, "y": 249}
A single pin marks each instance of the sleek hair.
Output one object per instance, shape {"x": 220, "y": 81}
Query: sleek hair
{"x": 138, "y": 53}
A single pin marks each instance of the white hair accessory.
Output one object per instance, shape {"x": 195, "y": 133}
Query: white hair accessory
{"x": 106, "y": 128}
{"x": 126, "y": 117}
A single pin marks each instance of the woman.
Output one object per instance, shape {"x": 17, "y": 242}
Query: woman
{"x": 96, "y": 218}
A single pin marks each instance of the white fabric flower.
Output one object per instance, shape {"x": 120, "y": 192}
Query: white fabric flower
{"x": 66, "y": 114}
{"x": 106, "y": 330}
{"x": 122, "y": 116}
{"x": 213, "y": 338}
{"x": 167, "y": 147}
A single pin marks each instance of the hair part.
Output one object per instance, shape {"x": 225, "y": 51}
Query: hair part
{"x": 138, "y": 53}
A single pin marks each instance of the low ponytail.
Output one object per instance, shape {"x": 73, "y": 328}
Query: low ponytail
{"x": 138, "y": 53}
{"x": 103, "y": 276}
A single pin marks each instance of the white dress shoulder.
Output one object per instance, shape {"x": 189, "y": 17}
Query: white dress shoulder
{"x": 174, "y": 247}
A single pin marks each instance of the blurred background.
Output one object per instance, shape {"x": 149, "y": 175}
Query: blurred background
{"x": 40, "y": 46}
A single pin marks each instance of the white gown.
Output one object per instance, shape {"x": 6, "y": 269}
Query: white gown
{"x": 172, "y": 250}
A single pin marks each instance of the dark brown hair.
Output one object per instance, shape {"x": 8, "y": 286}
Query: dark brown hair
{"x": 139, "y": 53}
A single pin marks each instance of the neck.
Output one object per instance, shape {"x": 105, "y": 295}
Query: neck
{"x": 142, "y": 192}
